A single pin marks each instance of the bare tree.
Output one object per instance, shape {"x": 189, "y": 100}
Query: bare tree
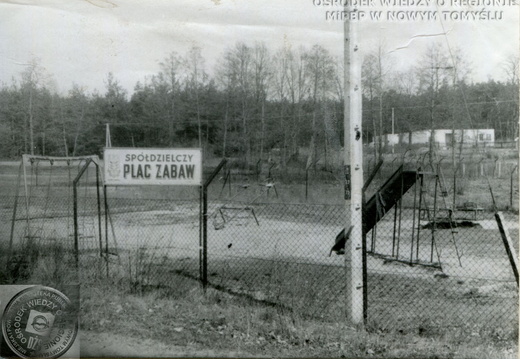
{"x": 404, "y": 82}
{"x": 281, "y": 91}
{"x": 510, "y": 68}
{"x": 320, "y": 72}
{"x": 77, "y": 108}
{"x": 434, "y": 71}
{"x": 33, "y": 80}
{"x": 235, "y": 73}
{"x": 240, "y": 60}
{"x": 459, "y": 71}
{"x": 227, "y": 80}
{"x": 370, "y": 82}
{"x": 170, "y": 78}
{"x": 298, "y": 88}
{"x": 384, "y": 65}
{"x": 197, "y": 76}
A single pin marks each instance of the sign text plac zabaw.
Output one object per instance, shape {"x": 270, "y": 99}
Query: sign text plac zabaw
{"x": 146, "y": 166}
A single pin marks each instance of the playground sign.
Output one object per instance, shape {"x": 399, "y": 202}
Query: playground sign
{"x": 138, "y": 166}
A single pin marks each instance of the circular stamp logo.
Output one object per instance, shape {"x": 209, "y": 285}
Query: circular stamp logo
{"x": 39, "y": 322}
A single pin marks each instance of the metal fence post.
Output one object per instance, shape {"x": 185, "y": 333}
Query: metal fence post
{"x": 205, "y": 236}
{"x": 76, "y": 234}
{"x": 204, "y": 219}
{"x": 75, "y": 210}
{"x": 511, "y": 187}
{"x": 106, "y": 225}
{"x": 98, "y": 195}
{"x": 201, "y": 251}
{"x": 15, "y": 207}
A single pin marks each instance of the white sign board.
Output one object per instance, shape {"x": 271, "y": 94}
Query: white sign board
{"x": 145, "y": 166}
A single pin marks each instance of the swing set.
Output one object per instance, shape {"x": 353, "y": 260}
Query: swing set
{"x": 226, "y": 213}
{"x": 56, "y": 206}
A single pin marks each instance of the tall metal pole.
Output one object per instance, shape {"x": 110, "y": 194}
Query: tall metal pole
{"x": 204, "y": 236}
{"x": 355, "y": 251}
{"x": 204, "y": 219}
{"x": 106, "y": 226}
{"x": 76, "y": 213}
{"x": 201, "y": 221}
{"x": 100, "y": 230}
{"x": 24, "y": 164}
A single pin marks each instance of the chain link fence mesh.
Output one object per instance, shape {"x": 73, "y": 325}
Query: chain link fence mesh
{"x": 434, "y": 268}
{"x": 278, "y": 253}
{"x": 38, "y": 221}
{"x": 431, "y": 278}
{"x": 151, "y": 242}
{"x": 137, "y": 243}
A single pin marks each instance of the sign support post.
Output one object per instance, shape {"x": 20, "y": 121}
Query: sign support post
{"x": 355, "y": 251}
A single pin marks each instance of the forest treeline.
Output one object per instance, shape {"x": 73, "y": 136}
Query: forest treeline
{"x": 254, "y": 102}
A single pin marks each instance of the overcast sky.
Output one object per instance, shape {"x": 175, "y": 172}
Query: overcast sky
{"x": 80, "y": 41}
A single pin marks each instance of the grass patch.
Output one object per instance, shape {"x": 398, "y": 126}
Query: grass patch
{"x": 224, "y": 322}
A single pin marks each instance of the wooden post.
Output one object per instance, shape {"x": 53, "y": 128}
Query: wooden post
{"x": 355, "y": 248}
{"x": 508, "y": 244}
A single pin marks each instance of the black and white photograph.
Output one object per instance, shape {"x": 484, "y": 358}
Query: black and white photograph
{"x": 259, "y": 178}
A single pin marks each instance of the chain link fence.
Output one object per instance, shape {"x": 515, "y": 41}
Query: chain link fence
{"x": 436, "y": 266}
{"x": 39, "y": 229}
{"x": 134, "y": 242}
{"x": 450, "y": 279}
{"x": 278, "y": 253}
{"x": 430, "y": 271}
{"x": 153, "y": 242}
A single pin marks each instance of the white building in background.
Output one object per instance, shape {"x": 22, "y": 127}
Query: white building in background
{"x": 442, "y": 138}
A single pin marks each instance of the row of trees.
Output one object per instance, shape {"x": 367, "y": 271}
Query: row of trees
{"x": 255, "y": 102}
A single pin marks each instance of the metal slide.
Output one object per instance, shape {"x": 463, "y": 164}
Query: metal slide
{"x": 381, "y": 202}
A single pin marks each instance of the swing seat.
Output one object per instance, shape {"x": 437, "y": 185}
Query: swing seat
{"x": 218, "y": 226}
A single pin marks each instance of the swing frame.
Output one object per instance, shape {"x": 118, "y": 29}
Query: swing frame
{"x": 30, "y": 160}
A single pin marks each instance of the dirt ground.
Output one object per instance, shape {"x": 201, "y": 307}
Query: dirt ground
{"x": 175, "y": 234}
{"x": 110, "y": 345}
